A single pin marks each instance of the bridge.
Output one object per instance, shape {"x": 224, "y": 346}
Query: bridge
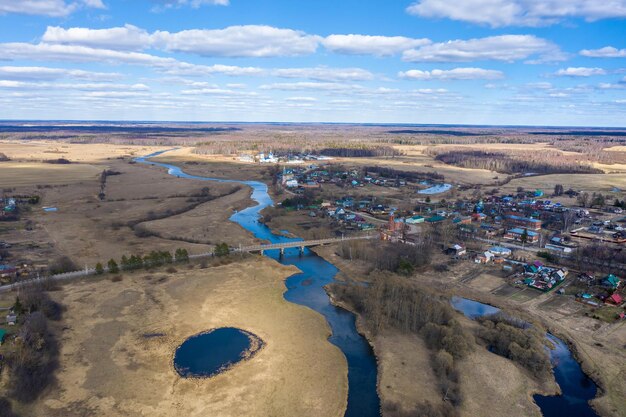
{"x": 242, "y": 249}
{"x": 261, "y": 248}
{"x": 299, "y": 244}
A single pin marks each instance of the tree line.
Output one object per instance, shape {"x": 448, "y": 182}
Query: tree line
{"x": 362, "y": 151}
{"x": 540, "y": 163}
{"x": 392, "y": 302}
{"x": 34, "y": 357}
{"x": 388, "y": 256}
{"x": 406, "y": 175}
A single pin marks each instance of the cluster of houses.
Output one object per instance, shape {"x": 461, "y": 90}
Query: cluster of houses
{"x": 288, "y": 158}
{"x": 9, "y": 209}
{"x": 600, "y": 289}
{"x": 341, "y": 213}
{"x": 495, "y": 254}
{"x": 314, "y": 176}
{"x": 542, "y": 277}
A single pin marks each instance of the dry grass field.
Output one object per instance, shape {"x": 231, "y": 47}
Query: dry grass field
{"x": 29, "y": 174}
{"x": 108, "y": 367}
{"x": 90, "y": 230}
{"x": 38, "y": 150}
{"x": 585, "y": 182}
{"x": 26, "y": 168}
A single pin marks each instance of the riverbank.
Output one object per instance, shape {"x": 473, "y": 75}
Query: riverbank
{"x": 505, "y": 388}
{"x": 112, "y": 363}
{"x": 597, "y": 348}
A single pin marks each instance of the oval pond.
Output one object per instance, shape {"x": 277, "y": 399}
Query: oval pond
{"x": 210, "y": 353}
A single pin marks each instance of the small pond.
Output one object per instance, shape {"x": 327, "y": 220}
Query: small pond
{"x": 436, "y": 189}
{"x": 208, "y": 354}
{"x": 577, "y": 389}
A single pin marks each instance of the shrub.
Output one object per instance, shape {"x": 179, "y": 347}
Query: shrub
{"x": 112, "y": 265}
{"x": 221, "y": 249}
{"x": 61, "y": 265}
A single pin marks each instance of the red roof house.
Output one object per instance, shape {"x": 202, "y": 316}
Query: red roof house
{"x": 615, "y": 299}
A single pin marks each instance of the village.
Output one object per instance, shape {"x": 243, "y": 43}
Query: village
{"x": 542, "y": 242}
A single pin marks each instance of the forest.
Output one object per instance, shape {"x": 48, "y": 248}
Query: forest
{"x": 547, "y": 162}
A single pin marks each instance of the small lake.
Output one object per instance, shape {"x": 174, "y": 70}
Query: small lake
{"x": 208, "y": 354}
{"x": 577, "y": 389}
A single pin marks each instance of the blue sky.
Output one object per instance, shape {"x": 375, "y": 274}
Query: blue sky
{"x": 532, "y": 62}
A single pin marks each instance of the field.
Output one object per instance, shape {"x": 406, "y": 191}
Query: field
{"x": 110, "y": 367}
{"x": 24, "y": 174}
{"x": 90, "y": 230}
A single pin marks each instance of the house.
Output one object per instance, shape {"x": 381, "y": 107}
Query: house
{"x": 523, "y": 222}
{"x": 611, "y": 281}
{"x": 559, "y": 248}
{"x": 293, "y": 183}
{"x": 518, "y": 233}
{"x": 500, "y": 251}
{"x": 484, "y": 258}
{"x": 414, "y": 220}
{"x": 615, "y": 299}
{"x": 11, "y": 319}
{"x": 435, "y": 219}
{"x": 456, "y": 250}
{"x": 8, "y": 271}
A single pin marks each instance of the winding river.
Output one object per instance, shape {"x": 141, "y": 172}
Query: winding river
{"x": 307, "y": 289}
{"x": 576, "y": 387}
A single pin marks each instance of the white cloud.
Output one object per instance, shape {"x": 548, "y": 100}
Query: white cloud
{"x": 47, "y": 86}
{"x": 46, "y": 73}
{"x": 507, "y": 48}
{"x": 77, "y": 53}
{"x": 325, "y": 74}
{"x": 609, "y": 86}
{"x": 453, "y": 74}
{"x": 187, "y": 69}
{"x": 580, "y": 72}
{"x": 128, "y": 37}
{"x": 539, "y": 85}
{"x": 238, "y": 41}
{"x": 166, "y": 4}
{"x": 216, "y": 91}
{"x": 606, "y": 52}
{"x": 301, "y": 99}
{"x": 233, "y": 41}
{"x": 498, "y": 13}
{"x": 371, "y": 45}
{"x": 309, "y": 86}
{"x": 53, "y": 8}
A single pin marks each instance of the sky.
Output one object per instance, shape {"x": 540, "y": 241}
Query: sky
{"x": 498, "y": 62}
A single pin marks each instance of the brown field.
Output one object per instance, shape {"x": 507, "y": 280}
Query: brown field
{"x": 405, "y": 376}
{"x": 109, "y": 369}
{"x": 37, "y": 150}
{"x": 90, "y": 230}
{"x": 25, "y": 174}
{"x": 584, "y": 182}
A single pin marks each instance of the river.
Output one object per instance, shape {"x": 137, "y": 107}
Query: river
{"x": 576, "y": 387}
{"x": 307, "y": 288}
